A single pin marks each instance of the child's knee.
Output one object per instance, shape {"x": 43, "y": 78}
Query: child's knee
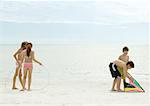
{"x": 16, "y": 74}
{"x": 25, "y": 76}
{"x": 118, "y": 77}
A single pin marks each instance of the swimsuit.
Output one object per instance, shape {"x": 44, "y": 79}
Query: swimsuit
{"x": 17, "y": 65}
{"x": 114, "y": 71}
{"x": 27, "y": 65}
{"x": 121, "y": 72}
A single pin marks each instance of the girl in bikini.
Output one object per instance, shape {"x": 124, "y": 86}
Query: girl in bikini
{"x": 17, "y": 57}
{"x": 27, "y": 58}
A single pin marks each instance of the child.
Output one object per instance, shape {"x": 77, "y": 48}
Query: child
{"x": 27, "y": 58}
{"x": 124, "y": 57}
{"x": 119, "y": 69}
{"x": 17, "y": 57}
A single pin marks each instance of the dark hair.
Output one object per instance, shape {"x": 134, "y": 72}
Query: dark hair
{"x": 130, "y": 63}
{"x": 125, "y": 49}
{"x": 29, "y": 49}
{"x": 23, "y": 44}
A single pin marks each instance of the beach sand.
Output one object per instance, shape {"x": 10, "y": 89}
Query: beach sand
{"x": 74, "y": 75}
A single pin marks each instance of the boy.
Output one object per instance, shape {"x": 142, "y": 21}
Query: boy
{"x": 119, "y": 69}
{"x": 124, "y": 57}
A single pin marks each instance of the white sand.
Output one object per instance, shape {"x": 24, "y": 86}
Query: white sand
{"x": 76, "y": 93}
{"x": 74, "y": 76}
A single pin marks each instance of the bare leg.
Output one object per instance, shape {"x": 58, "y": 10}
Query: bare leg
{"x": 14, "y": 78}
{"x": 24, "y": 79}
{"x": 29, "y": 79}
{"x": 118, "y": 84}
{"x": 114, "y": 83}
{"x": 20, "y": 78}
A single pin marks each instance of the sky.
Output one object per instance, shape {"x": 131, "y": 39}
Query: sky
{"x": 75, "y": 21}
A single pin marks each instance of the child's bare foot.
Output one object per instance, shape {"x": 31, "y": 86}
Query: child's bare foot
{"x": 28, "y": 89}
{"x": 22, "y": 90}
{"x": 119, "y": 90}
{"x": 14, "y": 88}
{"x": 113, "y": 90}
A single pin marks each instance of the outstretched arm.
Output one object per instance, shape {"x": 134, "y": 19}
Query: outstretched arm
{"x": 130, "y": 77}
{"x": 35, "y": 59}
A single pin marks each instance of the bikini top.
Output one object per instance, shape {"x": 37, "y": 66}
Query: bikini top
{"x": 28, "y": 57}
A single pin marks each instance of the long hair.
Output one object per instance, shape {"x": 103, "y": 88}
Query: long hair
{"x": 23, "y": 44}
{"x": 29, "y": 49}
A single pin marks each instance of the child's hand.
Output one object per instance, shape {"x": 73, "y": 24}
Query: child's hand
{"x": 40, "y": 63}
